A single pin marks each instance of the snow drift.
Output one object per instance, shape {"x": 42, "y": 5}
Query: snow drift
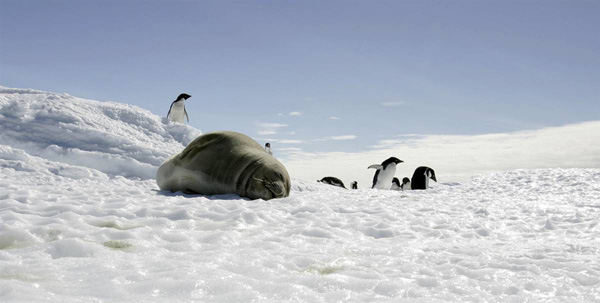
{"x": 81, "y": 220}
{"x": 114, "y": 138}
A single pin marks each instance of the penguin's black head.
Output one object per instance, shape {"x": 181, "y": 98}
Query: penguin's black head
{"x": 406, "y": 180}
{"x": 391, "y": 160}
{"x": 432, "y": 175}
{"x": 184, "y": 96}
{"x": 396, "y": 181}
{"x": 268, "y": 145}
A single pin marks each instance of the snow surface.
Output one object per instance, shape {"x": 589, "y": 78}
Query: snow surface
{"x": 82, "y": 220}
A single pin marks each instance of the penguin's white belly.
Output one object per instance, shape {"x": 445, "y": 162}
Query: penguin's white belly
{"x": 385, "y": 177}
{"x": 395, "y": 187}
{"x": 177, "y": 112}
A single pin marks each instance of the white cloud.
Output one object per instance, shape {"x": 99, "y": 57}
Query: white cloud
{"x": 265, "y": 128}
{"x": 394, "y": 103}
{"x": 290, "y": 141}
{"x": 295, "y": 114}
{"x": 289, "y": 149}
{"x": 334, "y": 118}
{"x": 264, "y": 132}
{"x": 282, "y": 141}
{"x": 456, "y": 158}
{"x": 339, "y": 138}
{"x": 270, "y": 125}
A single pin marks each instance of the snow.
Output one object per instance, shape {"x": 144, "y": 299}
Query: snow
{"x": 81, "y": 219}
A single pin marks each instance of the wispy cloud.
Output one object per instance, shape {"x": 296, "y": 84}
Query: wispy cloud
{"x": 457, "y": 158}
{"x": 334, "y": 118}
{"x": 289, "y": 149}
{"x": 265, "y": 128}
{"x": 393, "y": 103}
{"x": 282, "y": 141}
{"x": 340, "y": 138}
{"x": 290, "y": 141}
{"x": 295, "y": 114}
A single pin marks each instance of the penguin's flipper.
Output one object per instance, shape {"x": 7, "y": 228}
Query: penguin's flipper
{"x": 169, "y": 113}
{"x": 375, "y": 166}
{"x": 375, "y": 178}
{"x": 186, "y": 115}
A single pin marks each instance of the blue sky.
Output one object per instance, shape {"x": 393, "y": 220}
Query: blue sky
{"x": 318, "y": 76}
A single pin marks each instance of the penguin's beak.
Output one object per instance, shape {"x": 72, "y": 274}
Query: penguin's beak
{"x": 433, "y": 178}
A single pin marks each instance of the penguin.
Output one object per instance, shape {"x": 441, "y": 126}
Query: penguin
{"x": 385, "y": 173}
{"x": 177, "y": 110}
{"x": 405, "y": 184}
{"x": 354, "y": 185}
{"x": 421, "y": 176}
{"x": 268, "y": 148}
{"x": 332, "y": 181}
{"x": 396, "y": 184}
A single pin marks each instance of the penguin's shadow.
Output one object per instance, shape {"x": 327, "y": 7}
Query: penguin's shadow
{"x": 168, "y": 193}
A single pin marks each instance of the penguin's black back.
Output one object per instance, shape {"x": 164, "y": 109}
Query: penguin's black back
{"x": 375, "y": 178}
{"x": 418, "y": 178}
{"x": 333, "y": 181}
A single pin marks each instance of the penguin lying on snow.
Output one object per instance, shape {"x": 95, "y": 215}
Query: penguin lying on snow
{"x": 385, "y": 173}
{"x": 332, "y": 181}
{"x": 421, "y": 176}
{"x": 354, "y": 185}
{"x": 177, "y": 110}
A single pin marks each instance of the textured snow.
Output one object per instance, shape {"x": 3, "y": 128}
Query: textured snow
{"x": 81, "y": 220}
{"x": 114, "y": 138}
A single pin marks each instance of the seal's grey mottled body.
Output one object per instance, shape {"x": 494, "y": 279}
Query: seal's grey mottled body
{"x": 224, "y": 163}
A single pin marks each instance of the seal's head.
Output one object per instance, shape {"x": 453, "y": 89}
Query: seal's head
{"x": 268, "y": 181}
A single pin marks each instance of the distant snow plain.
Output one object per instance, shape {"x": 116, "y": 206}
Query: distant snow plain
{"x": 82, "y": 220}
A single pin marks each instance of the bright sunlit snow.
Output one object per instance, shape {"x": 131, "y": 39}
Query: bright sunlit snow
{"x": 82, "y": 219}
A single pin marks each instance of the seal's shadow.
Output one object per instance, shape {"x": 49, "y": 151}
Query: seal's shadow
{"x": 168, "y": 193}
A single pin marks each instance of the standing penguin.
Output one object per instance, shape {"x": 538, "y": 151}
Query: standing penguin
{"x": 405, "y": 184}
{"x": 268, "y": 148}
{"x": 396, "y": 184}
{"x": 177, "y": 110}
{"x": 421, "y": 176}
{"x": 354, "y": 185}
{"x": 385, "y": 173}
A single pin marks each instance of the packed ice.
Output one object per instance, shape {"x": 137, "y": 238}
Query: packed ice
{"x": 82, "y": 220}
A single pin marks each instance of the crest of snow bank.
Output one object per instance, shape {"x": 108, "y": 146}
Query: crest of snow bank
{"x": 114, "y": 138}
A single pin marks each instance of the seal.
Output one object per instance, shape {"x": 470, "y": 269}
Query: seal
{"x": 225, "y": 162}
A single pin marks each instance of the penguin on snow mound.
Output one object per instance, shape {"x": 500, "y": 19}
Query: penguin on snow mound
{"x": 177, "y": 111}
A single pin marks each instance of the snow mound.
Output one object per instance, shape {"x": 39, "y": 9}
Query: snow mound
{"x": 114, "y": 138}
